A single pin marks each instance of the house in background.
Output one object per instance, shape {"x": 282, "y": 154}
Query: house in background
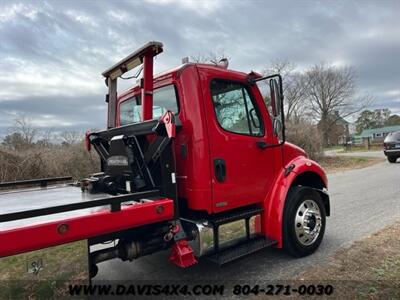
{"x": 376, "y": 135}
{"x": 339, "y": 130}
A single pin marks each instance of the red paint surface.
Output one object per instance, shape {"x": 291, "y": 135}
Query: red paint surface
{"x": 249, "y": 169}
{"x": 44, "y": 235}
{"x": 275, "y": 201}
{"x": 147, "y": 90}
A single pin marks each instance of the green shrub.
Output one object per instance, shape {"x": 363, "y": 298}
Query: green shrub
{"x": 40, "y": 161}
{"x": 305, "y": 135}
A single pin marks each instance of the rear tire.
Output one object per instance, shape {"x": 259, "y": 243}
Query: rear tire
{"x": 392, "y": 159}
{"x": 304, "y": 220}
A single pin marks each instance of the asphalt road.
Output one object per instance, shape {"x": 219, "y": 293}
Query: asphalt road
{"x": 362, "y": 202}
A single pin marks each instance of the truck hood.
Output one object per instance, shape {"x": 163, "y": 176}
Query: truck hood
{"x": 291, "y": 151}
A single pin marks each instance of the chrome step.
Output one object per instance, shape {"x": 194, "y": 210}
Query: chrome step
{"x": 236, "y": 252}
{"x": 233, "y": 215}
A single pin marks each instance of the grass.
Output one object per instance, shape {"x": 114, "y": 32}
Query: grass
{"x": 368, "y": 269}
{"x": 361, "y": 149}
{"x": 334, "y": 164}
{"x": 333, "y": 148}
{"x": 61, "y": 264}
{"x": 356, "y": 148}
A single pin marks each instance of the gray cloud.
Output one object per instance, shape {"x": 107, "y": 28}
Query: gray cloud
{"x": 52, "y": 53}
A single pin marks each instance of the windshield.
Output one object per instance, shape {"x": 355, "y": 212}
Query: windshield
{"x": 130, "y": 111}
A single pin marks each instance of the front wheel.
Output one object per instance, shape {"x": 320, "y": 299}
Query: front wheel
{"x": 391, "y": 159}
{"x": 304, "y": 221}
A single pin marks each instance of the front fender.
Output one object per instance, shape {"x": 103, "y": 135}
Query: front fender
{"x": 275, "y": 200}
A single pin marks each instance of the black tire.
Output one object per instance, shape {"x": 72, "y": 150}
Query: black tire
{"x": 291, "y": 243}
{"x": 392, "y": 159}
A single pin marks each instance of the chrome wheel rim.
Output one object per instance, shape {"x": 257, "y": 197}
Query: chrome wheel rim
{"x": 308, "y": 222}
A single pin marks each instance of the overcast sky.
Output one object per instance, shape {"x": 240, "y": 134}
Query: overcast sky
{"x": 52, "y": 53}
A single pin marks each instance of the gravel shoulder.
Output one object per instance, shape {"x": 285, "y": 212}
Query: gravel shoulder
{"x": 369, "y": 268}
{"x": 333, "y": 164}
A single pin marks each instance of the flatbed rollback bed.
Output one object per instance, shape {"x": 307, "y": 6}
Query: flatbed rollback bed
{"x": 209, "y": 176}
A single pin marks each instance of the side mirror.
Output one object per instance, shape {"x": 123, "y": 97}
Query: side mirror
{"x": 277, "y": 126}
{"x": 276, "y": 97}
{"x": 88, "y": 145}
{"x": 273, "y": 99}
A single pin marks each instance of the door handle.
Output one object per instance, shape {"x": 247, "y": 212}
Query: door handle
{"x": 220, "y": 169}
{"x": 262, "y": 144}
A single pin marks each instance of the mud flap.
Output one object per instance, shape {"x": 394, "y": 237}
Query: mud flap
{"x": 182, "y": 254}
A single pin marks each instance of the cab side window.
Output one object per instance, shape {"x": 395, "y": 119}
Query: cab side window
{"x": 234, "y": 108}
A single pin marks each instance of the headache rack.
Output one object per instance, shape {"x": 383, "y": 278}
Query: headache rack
{"x": 145, "y": 56}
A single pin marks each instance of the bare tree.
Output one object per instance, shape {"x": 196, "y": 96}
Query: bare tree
{"x": 332, "y": 95}
{"x": 71, "y": 137}
{"x": 212, "y": 57}
{"x": 296, "y": 95}
{"x": 284, "y": 67}
{"x": 21, "y": 135}
{"x": 199, "y": 58}
{"x": 23, "y": 126}
{"x": 45, "y": 138}
{"x": 294, "y": 88}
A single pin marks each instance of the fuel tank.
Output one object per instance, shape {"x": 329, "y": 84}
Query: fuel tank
{"x": 203, "y": 234}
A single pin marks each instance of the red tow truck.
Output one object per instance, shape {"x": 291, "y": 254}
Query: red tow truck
{"x": 193, "y": 160}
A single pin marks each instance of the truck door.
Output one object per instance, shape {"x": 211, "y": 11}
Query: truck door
{"x": 242, "y": 160}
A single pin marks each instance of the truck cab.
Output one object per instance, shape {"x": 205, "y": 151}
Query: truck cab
{"x": 227, "y": 154}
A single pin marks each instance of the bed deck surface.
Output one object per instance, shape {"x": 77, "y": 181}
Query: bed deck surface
{"x": 36, "y": 198}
